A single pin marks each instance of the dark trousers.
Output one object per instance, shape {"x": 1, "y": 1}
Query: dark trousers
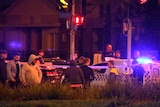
{"x": 87, "y": 85}
{"x": 14, "y": 84}
{"x": 3, "y": 82}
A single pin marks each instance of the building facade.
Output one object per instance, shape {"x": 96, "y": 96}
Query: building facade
{"x": 29, "y": 25}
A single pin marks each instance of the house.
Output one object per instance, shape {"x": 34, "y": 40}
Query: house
{"x": 29, "y": 25}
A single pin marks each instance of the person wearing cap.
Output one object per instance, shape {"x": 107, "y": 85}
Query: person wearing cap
{"x": 13, "y": 70}
{"x": 31, "y": 73}
{"x": 3, "y": 70}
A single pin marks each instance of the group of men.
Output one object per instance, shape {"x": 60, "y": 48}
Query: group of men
{"x": 30, "y": 74}
{"x": 138, "y": 70}
{"x": 15, "y": 74}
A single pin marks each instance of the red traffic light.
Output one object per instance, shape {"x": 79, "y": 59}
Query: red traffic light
{"x": 143, "y": 1}
{"x": 78, "y": 20}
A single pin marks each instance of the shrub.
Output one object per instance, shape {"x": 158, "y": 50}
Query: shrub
{"x": 117, "y": 91}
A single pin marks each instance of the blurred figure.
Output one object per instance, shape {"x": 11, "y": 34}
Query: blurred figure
{"x": 81, "y": 60}
{"x": 137, "y": 54}
{"x": 74, "y": 76}
{"x": 31, "y": 73}
{"x": 138, "y": 72}
{"x": 76, "y": 57}
{"x": 118, "y": 54}
{"x": 41, "y": 61}
{"x": 108, "y": 52}
{"x": 3, "y": 70}
{"x": 113, "y": 71}
{"x": 135, "y": 57}
{"x": 13, "y": 71}
{"x": 41, "y": 56}
{"x": 88, "y": 73}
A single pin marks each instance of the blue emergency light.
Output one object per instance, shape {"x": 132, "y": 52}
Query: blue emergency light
{"x": 144, "y": 60}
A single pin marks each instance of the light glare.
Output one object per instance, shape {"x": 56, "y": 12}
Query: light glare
{"x": 144, "y": 60}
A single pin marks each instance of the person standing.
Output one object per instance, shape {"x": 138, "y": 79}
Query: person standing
{"x": 88, "y": 73}
{"x": 108, "y": 52}
{"x": 81, "y": 60}
{"x": 76, "y": 57}
{"x": 74, "y": 76}
{"x": 137, "y": 55}
{"x": 138, "y": 73}
{"x": 41, "y": 56}
{"x": 31, "y": 73}
{"x": 41, "y": 61}
{"x": 3, "y": 70}
{"x": 113, "y": 72}
{"x": 13, "y": 71}
{"x": 117, "y": 54}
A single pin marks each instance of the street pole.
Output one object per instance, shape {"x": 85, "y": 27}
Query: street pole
{"x": 129, "y": 36}
{"x": 129, "y": 43}
{"x": 72, "y": 33}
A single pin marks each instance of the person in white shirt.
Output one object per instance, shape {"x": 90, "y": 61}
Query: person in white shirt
{"x": 13, "y": 70}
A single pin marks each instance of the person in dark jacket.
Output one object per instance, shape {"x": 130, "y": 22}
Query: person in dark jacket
{"x": 81, "y": 60}
{"x": 88, "y": 73}
{"x": 138, "y": 72}
{"x": 3, "y": 70}
{"x": 74, "y": 76}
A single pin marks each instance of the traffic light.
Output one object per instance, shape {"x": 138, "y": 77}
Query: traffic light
{"x": 64, "y": 5}
{"x": 64, "y": 2}
{"x": 78, "y": 20}
{"x": 142, "y": 1}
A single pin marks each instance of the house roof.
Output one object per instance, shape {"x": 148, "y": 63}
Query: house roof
{"x": 31, "y": 3}
{"x": 32, "y": 13}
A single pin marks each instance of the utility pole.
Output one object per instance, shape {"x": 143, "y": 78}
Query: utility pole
{"x": 129, "y": 42}
{"x": 72, "y": 33}
{"x": 75, "y": 21}
{"x": 129, "y": 36}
